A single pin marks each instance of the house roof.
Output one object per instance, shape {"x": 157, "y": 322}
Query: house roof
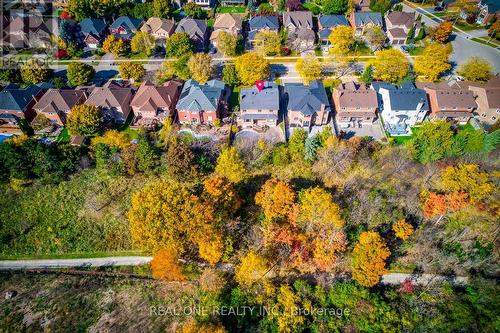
{"x": 406, "y": 97}
{"x": 455, "y": 98}
{"x": 197, "y": 97}
{"x": 307, "y": 99}
{"x": 493, "y": 5}
{"x": 397, "y": 33}
{"x": 330, "y": 21}
{"x": 262, "y": 22}
{"x": 154, "y": 24}
{"x": 150, "y": 97}
{"x": 192, "y": 27}
{"x": 228, "y": 21}
{"x": 17, "y": 99}
{"x": 401, "y": 19}
{"x": 93, "y": 26}
{"x": 299, "y": 19}
{"x": 110, "y": 96}
{"x": 305, "y": 34}
{"x": 363, "y": 18}
{"x": 55, "y": 100}
{"x": 127, "y": 22}
{"x": 25, "y": 24}
{"x": 356, "y": 95}
{"x": 267, "y": 98}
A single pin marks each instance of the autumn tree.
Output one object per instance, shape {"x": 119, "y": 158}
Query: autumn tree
{"x": 79, "y": 73}
{"x": 402, "y": 229}
{"x": 230, "y": 166}
{"x": 368, "y": 262}
{"x": 193, "y": 10}
{"x": 476, "y": 69}
{"x": 35, "y": 71}
{"x": 192, "y": 326}
{"x": 85, "y": 120}
{"x": 494, "y": 30}
{"x": 226, "y": 43}
{"x": 467, "y": 178}
{"x": 342, "y": 40}
{"x": 179, "y": 161}
{"x": 251, "y": 269}
{"x": 251, "y": 67}
{"x": 131, "y": 71}
{"x": 114, "y": 45}
{"x": 229, "y": 75}
{"x": 41, "y": 122}
{"x": 277, "y": 199}
{"x": 162, "y": 8}
{"x": 267, "y": 43}
{"x": 442, "y": 32}
{"x": 390, "y": 65}
{"x": 143, "y": 42}
{"x": 376, "y": 37}
{"x": 433, "y": 61}
{"x": 309, "y": 68}
{"x": 222, "y": 194}
{"x": 440, "y": 204}
{"x": 178, "y": 44}
{"x": 200, "y": 66}
{"x": 165, "y": 265}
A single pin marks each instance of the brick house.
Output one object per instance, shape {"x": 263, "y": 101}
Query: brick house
{"x": 355, "y": 104}
{"x": 399, "y": 25}
{"x": 16, "y": 104}
{"x": 451, "y": 104}
{"x": 160, "y": 28}
{"x": 125, "y": 27}
{"x": 362, "y": 21}
{"x": 259, "y": 108}
{"x": 299, "y": 24}
{"x": 94, "y": 31}
{"x": 114, "y": 101}
{"x": 56, "y": 104}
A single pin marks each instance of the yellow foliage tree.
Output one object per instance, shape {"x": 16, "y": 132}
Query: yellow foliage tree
{"x": 390, "y": 65}
{"x": 230, "y": 166}
{"x": 286, "y": 310}
{"x": 317, "y": 210}
{"x": 277, "y": 199}
{"x": 194, "y": 327}
{"x": 165, "y": 266}
{"x": 86, "y": 120}
{"x": 402, "y": 229}
{"x": 200, "y": 66}
{"x": 368, "y": 262}
{"x": 143, "y": 42}
{"x": 251, "y": 269}
{"x": 309, "y": 68}
{"x": 211, "y": 247}
{"x": 468, "y": 178}
{"x": 267, "y": 43}
{"x": 476, "y": 69}
{"x": 226, "y": 43}
{"x": 251, "y": 67}
{"x": 114, "y": 45}
{"x": 433, "y": 61}
{"x": 342, "y": 40}
{"x": 113, "y": 138}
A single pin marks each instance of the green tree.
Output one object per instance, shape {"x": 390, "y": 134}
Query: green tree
{"x": 79, "y": 73}
{"x": 162, "y": 8}
{"x": 85, "y": 120}
{"x": 34, "y": 71}
{"x": 367, "y": 76}
{"x": 229, "y": 75}
{"x": 251, "y": 67}
{"x": 296, "y": 144}
{"x": 147, "y": 158}
{"x": 433, "y": 141}
{"x": 142, "y": 42}
{"x": 381, "y": 6}
{"x": 180, "y": 67}
{"x": 193, "y": 10}
{"x": 131, "y": 71}
{"x": 79, "y": 9}
{"x": 334, "y": 6}
{"x": 200, "y": 66}
{"x": 265, "y": 8}
{"x": 476, "y": 69}
{"x": 309, "y": 68}
{"x": 178, "y": 44}
{"x": 10, "y": 75}
{"x": 226, "y": 43}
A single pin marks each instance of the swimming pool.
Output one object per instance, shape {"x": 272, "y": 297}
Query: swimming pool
{"x": 4, "y": 136}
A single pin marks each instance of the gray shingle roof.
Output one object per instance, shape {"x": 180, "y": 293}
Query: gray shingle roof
{"x": 267, "y": 99}
{"x": 406, "y": 97}
{"x": 262, "y": 22}
{"x": 300, "y": 19}
{"x": 306, "y": 99}
{"x": 127, "y": 22}
{"x": 362, "y": 18}
{"x": 93, "y": 26}
{"x": 197, "y": 97}
{"x": 192, "y": 27}
{"x": 330, "y": 21}
{"x": 17, "y": 99}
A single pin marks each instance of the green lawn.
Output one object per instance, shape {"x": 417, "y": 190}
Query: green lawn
{"x": 416, "y": 51}
{"x": 232, "y": 9}
{"x": 485, "y": 42}
{"x": 312, "y": 7}
{"x": 64, "y": 136}
{"x": 234, "y": 99}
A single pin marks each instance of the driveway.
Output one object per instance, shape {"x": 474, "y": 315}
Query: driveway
{"x": 84, "y": 262}
{"x": 373, "y": 131}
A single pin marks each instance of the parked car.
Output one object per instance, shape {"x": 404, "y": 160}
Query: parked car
{"x": 438, "y": 9}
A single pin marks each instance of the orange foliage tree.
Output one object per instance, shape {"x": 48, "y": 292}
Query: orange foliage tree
{"x": 368, "y": 262}
{"x": 442, "y": 32}
{"x": 277, "y": 199}
{"x": 222, "y": 194}
{"x": 402, "y": 229}
{"x": 165, "y": 266}
{"x": 439, "y": 204}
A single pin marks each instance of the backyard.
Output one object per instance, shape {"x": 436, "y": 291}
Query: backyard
{"x": 231, "y": 9}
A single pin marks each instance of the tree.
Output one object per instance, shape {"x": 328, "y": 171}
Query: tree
{"x": 433, "y": 61}
{"x": 466, "y": 6}
{"x": 375, "y": 36}
{"x": 434, "y": 141}
{"x": 367, "y": 76}
{"x": 131, "y": 70}
{"x": 229, "y": 75}
{"x": 309, "y": 68}
{"x": 334, "y": 6}
{"x": 402, "y": 229}
{"x": 293, "y": 5}
{"x": 162, "y": 8}
{"x": 467, "y": 178}
{"x": 114, "y": 45}
{"x": 317, "y": 211}
{"x": 142, "y": 42}
{"x": 267, "y": 43}
{"x": 229, "y": 165}
{"x": 226, "y": 43}
{"x": 390, "y": 65}
{"x": 381, "y": 6}
{"x": 277, "y": 199}
{"x": 476, "y": 69}
{"x": 35, "y": 71}
{"x": 79, "y": 9}
{"x": 265, "y": 8}
{"x": 252, "y": 269}
{"x": 178, "y": 44}
{"x": 165, "y": 266}
{"x": 164, "y": 73}
{"x": 369, "y": 255}
{"x": 193, "y": 10}
{"x": 180, "y": 162}
{"x": 146, "y": 156}
{"x": 442, "y": 32}
{"x": 251, "y": 68}
{"x": 200, "y": 66}
{"x": 85, "y": 120}
{"x": 440, "y": 204}
{"x": 79, "y": 73}
{"x": 192, "y": 326}
{"x": 296, "y": 144}
{"x": 494, "y": 29}
{"x": 342, "y": 40}
{"x": 41, "y": 122}
{"x": 10, "y": 75}
{"x": 180, "y": 67}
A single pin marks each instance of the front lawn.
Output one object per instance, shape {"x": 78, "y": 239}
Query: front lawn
{"x": 231, "y": 10}
{"x": 416, "y": 51}
{"x": 64, "y": 136}
{"x": 234, "y": 99}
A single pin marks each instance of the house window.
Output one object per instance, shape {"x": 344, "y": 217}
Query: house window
{"x": 247, "y": 120}
{"x": 259, "y": 110}
{"x": 306, "y": 123}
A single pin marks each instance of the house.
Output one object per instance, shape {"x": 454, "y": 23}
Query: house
{"x": 94, "y": 31}
{"x": 399, "y": 25}
{"x": 451, "y": 104}
{"x": 201, "y": 104}
{"x": 125, "y": 27}
{"x": 299, "y": 24}
{"x": 259, "y": 108}
{"x": 488, "y": 100}
{"x": 327, "y": 23}
{"x": 152, "y": 104}
{"x": 27, "y": 32}
{"x": 56, "y": 104}
{"x": 355, "y": 104}
{"x": 361, "y": 21}
{"x": 160, "y": 28}
{"x": 261, "y": 23}
{"x": 114, "y": 101}
{"x": 307, "y": 106}
{"x": 16, "y": 104}
{"x": 362, "y": 5}
{"x": 196, "y": 29}
{"x": 401, "y": 107}
{"x": 488, "y": 10}
{"x": 233, "y": 2}
{"x": 205, "y": 3}
{"x": 231, "y": 23}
